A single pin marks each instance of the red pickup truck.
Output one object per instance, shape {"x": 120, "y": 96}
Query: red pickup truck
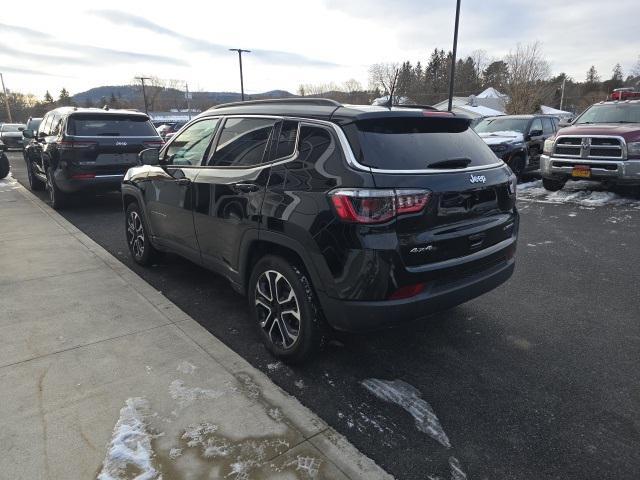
{"x": 602, "y": 144}
{"x": 626, "y": 93}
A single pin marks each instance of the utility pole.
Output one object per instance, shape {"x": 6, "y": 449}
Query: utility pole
{"x": 240, "y": 51}
{"x": 6, "y": 99}
{"x": 453, "y": 60}
{"x": 144, "y": 93}
{"x": 187, "y": 95}
{"x": 564, "y": 79}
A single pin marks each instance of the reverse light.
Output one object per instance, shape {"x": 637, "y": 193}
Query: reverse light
{"x": 362, "y": 205}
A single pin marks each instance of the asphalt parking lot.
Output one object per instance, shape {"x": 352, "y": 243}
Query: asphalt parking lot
{"x": 538, "y": 379}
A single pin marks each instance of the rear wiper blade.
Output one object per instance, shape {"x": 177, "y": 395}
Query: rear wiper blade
{"x": 451, "y": 163}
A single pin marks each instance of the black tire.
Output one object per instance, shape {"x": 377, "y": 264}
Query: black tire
{"x": 517, "y": 164}
{"x": 137, "y": 235}
{"x": 4, "y": 165}
{"x": 552, "y": 185}
{"x": 57, "y": 198}
{"x": 277, "y": 331}
{"x": 35, "y": 184}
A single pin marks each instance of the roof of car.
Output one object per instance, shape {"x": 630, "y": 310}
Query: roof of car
{"x": 108, "y": 111}
{"x": 613, "y": 102}
{"x": 320, "y": 109}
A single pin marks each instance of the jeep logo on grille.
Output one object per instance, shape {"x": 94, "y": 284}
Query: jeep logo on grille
{"x": 121, "y": 144}
{"x": 478, "y": 179}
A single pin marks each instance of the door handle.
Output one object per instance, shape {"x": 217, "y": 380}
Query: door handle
{"x": 245, "y": 187}
{"x": 182, "y": 181}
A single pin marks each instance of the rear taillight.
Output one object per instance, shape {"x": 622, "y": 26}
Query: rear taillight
{"x": 83, "y": 176}
{"x": 154, "y": 144}
{"x": 362, "y": 205}
{"x": 74, "y": 145}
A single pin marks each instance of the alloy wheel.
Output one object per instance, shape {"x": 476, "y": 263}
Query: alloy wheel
{"x": 278, "y": 309}
{"x": 135, "y": 234}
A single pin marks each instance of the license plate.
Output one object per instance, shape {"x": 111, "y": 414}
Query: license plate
{"x": 117, "y": 159}
{"x": 581, "y": 171}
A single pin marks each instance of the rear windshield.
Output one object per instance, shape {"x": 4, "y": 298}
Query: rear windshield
{"x": 12, "y": 127}
{"x": 110, "y": 126}
{"x": 417, "y": 143}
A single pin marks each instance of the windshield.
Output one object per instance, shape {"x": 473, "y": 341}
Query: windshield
{"x": 611, "y": 113}
{"x": 12, "y": 127}
{"x": 110, "y": 126}
{"x": 418, "y": 143}
{"x": 489, "y": 125}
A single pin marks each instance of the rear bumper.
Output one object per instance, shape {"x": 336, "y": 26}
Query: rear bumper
{"x": 100, "y": 182}
{"x": 353, "y": 316}
{"x": 616, "y": 171}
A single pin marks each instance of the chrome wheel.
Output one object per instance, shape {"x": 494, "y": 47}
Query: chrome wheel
{"x": 135, "y": 234}
{"x": 278, "y": 309}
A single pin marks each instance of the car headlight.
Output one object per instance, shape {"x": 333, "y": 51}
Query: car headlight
{"x": 499, "y": 148}
{"x": 633, "y": 149}
{"x": 548, "y": 145}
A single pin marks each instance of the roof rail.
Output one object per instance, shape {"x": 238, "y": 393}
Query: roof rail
{"x": 297, "y": 100}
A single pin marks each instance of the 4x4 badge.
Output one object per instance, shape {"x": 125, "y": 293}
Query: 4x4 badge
{"x": 478, "y": 179}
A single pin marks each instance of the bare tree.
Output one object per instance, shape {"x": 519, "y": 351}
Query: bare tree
{"x": 480, "y": 61}
{"x": 526, "y": 84}
{"x": 385, "y": 76}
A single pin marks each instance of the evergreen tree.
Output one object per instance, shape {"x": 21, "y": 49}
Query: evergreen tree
{"x": 64, "y": 99}
{"x": 496, "y": 75}
{"x": 48, "y": 98}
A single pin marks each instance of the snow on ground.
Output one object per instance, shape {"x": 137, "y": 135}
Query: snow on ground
{"x": 8, "y": 183}
{"x": 409, "y": 398}
{"x": 186, "y": 367}
{"x": 581, "y": 192}
{"x": 130, "y": 450}
{"x": 186, "y": 396}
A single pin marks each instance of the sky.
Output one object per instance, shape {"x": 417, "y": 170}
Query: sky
{"x": 82, "y": 44}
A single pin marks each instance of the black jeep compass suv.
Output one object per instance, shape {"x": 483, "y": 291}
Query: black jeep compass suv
{"x": 324, "y": 215}
{"x": 85, "y": 149}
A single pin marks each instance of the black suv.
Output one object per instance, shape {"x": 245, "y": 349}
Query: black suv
{"x": 79, "y": 149}
{"x": 350, "y": 217}
{"x": 518, "y": 139}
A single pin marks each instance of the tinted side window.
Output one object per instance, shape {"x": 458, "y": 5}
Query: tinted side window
{"x": 536, "y": 125}
{"x": 285, "y": 143}
{"x": 547, "y": 126}
{"x": 314, "y": 142}
{"x": 243, "y": 142}
{"x": 190, "y": 146}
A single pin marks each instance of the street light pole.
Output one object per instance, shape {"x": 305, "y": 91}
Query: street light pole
{"x": 564, "y": 80}
{"x": 240, "y": 51}
{"x": 6, "y": 99}
{"x": 188, "y": 98}
{"x": 144, "y": 93}
{"x": 453, "y": 60}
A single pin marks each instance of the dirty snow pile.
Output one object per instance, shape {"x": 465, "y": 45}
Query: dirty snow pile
{"x": 409, "y": 398}
{"x": 582, "y": 192}
{"x": 130, "y": 448}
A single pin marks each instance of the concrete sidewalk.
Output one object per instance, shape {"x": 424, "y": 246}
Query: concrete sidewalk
{"x": 101, "y": 375}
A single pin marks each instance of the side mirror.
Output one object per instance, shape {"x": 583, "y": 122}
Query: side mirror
{"x": 149, "y": 156}
{"x": 535, "y": 133}
{"x": 27, "y": 133}
{"x": 564, "y": 123}
{"x": 41, "y": 134}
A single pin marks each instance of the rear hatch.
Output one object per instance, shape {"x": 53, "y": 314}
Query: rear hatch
{"x": 107, "y": 143}
{"x": 471, "y": 204}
